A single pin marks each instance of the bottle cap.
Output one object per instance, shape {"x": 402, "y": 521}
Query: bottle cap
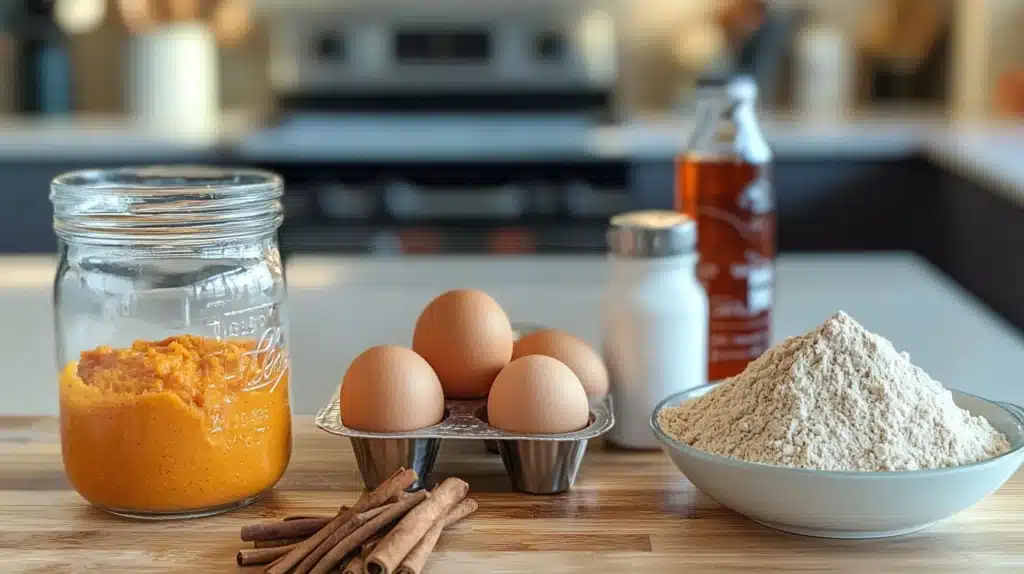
{"x": 652, "y": 234}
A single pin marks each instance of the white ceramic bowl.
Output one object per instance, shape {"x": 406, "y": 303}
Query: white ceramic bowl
{"x": 849, "y": 504}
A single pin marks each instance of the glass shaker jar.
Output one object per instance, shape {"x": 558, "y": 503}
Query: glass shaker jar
{"x": 171, "y": 338}
{"x": 654, "y": 315}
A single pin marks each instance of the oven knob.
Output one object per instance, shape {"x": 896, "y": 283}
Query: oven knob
{"x": 329, "y": 46}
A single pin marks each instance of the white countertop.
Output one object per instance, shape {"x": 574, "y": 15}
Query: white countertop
{"x": 112, "y": 138}
{"x": 460, "y": 137}
{"x": 988, "y": 152}
{"x": 991, "y": 155}
{"x": 339, "y": 306}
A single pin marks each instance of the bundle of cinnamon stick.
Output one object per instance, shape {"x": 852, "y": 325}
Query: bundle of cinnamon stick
{"x": 386, "y": 531}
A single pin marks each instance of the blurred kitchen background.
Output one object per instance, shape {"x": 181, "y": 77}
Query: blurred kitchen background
{"x": 519, "y": 126}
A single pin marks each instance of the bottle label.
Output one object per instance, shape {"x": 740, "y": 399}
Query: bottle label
{"x": 737, "y": 249}
{"x": 734, "y": 206}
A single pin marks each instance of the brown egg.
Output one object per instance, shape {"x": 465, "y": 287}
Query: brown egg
{"x": 467, "y": 338}
{"x": 537, "y": 395}
{"x": 571, "y": 350}
{"x": 390, "y": 389}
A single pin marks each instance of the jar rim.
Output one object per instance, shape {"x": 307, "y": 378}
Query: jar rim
{"x": 165, "y": 202}
{"x": 157, "y": 179}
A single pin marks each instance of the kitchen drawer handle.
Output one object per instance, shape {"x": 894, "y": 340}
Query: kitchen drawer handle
{"x": 406, "y": 201}
{"x": 586, "y": 201}
{"x": 340, "y": 201}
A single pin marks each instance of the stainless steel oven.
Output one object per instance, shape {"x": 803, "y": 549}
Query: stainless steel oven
{"x": 498, "y": 55}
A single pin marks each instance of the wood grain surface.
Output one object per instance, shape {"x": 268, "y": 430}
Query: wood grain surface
{"x": 629, "y": 512}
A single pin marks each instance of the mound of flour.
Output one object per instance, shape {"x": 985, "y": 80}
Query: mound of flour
{"x": 837, "y": 398}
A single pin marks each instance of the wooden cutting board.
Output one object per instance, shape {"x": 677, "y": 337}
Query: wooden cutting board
{"x": 629, "y": 512}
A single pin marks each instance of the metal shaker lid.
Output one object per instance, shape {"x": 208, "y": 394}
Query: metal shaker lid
{"x": 738, "y": 86}
{"x": 651, "y": 234}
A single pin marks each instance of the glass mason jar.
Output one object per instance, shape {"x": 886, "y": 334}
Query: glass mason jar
{"x": 171, "y": 338}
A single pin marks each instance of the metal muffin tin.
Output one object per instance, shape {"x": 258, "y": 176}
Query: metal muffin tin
{"x": 538, "y": 464}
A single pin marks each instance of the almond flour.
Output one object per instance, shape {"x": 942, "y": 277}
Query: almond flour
{"x": 837, "y": 398}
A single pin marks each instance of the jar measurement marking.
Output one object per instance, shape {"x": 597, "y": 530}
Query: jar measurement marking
{"x": 249, "y": 321}
{"x": 270, "y": 347}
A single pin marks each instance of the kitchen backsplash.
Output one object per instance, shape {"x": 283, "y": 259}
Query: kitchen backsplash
{"x": 652, "y": 34}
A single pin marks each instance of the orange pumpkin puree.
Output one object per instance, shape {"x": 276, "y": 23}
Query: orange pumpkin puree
{"x": 187, "y": 423}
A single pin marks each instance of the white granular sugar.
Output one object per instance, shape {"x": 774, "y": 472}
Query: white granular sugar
{"x": 837, "y": 398}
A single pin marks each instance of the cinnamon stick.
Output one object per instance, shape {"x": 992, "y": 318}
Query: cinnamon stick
{"x": 393, "y": 486}
{"x": 302, "y": 516}
{"x": 355, "y": 565}
{"x": 417, "y": 558}
{"x": 276, "y": 542}
{"x": 338, "y": 535}
{"x": 368, "y": 547}
{"x": 279, "y": 546}
{"x": 397, "y": 544}
{"x": 251, "y": 556}
{"x": 364, "y": 532}
{"x": 296, "y": 528}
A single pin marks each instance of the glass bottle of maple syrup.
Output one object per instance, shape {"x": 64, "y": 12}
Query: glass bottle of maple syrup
{"x": 723, "y": 181}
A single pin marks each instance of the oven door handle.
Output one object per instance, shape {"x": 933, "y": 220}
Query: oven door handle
{"x": 405, "y": 200}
